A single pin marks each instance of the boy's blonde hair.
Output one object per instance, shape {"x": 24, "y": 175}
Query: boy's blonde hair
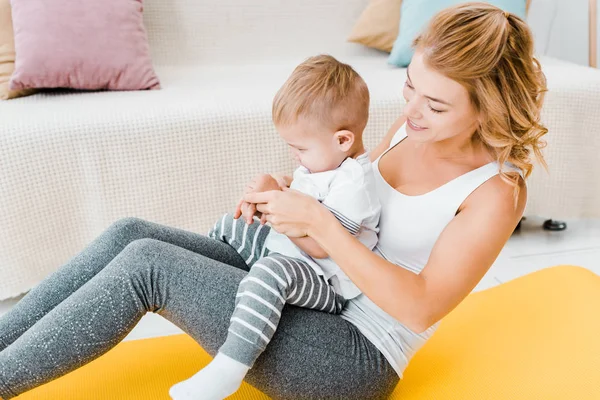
{"x": 326, "y": 90}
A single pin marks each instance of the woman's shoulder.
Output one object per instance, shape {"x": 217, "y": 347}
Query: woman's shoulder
{"x": 500, "y": 193}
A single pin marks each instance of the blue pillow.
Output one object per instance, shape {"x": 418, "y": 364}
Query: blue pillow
{"x": 415, "y": 16}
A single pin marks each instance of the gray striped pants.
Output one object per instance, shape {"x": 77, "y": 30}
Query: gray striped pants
{"x": 273, "y": 281}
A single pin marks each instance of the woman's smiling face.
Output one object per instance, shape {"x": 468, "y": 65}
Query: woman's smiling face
{"x": 437, "y": 108}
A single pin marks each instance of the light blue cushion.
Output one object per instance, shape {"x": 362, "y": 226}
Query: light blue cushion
{"x": 415, "y": 16}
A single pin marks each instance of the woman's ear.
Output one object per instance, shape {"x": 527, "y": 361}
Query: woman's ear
{"x": 344, "y": 139}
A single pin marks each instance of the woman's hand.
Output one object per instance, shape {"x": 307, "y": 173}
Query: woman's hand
{"x": 261, "y": 183}
{"x": 289, "y": 212}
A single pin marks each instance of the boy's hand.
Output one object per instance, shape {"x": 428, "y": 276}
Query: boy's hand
{"x": 261, "y": 183}
{"x": 283, "y": 180}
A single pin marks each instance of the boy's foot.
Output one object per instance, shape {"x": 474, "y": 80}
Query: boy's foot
{"x": 221, "y": 378}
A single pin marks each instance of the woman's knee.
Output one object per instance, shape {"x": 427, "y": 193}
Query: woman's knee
{"x": 128, "y": 224}
{"x": 128, "y": 229}
{"x": 136, "y": 266}
{"x": 138, "y": 255}
{"x": 145, "y": 248}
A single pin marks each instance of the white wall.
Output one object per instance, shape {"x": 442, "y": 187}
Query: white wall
{"x": 568, "y": 38}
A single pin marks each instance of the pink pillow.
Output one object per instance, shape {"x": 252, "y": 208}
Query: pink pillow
{"x": 81, "y": 44}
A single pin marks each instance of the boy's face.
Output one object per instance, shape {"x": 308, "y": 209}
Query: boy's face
{"x": 316, "y": 148}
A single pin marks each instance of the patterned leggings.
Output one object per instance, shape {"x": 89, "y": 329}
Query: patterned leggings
{"x": 92, "y": 302}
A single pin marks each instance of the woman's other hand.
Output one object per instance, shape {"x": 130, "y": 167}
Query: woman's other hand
{"x": 289, "y": 212}
{"x": 261, "y": 183}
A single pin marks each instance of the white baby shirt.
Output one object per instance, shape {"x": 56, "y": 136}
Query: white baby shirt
{"x": 349, "y": 193}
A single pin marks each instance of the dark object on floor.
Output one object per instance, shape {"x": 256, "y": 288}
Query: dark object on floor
{"x": 552, "y": 225}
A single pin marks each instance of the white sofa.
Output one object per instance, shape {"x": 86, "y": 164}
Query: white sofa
{"x": 71, "y": 164}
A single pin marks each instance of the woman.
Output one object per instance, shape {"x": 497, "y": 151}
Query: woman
{"x": 451, "y": 182}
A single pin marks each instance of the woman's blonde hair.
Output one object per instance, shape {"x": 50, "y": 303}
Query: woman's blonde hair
{"x": 490, "y": 52}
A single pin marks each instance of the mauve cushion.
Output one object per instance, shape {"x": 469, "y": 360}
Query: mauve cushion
{"x": 7, "y": 53}
{"x": 81, "y": 44}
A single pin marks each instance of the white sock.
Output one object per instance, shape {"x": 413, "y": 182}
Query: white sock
{"x": 222, "y": 377}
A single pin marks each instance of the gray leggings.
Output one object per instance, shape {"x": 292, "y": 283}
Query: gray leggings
{"x": 92, "y": 302}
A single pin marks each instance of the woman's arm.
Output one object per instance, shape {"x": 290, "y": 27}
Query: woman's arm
{"x": 469, "y": 245}
{"x": 309, "y": 246}
{"x": 461, "y": 256}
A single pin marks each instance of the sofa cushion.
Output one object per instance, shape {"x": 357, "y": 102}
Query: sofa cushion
{"x": 7, "y": 52}
{"x": 377, "y": 26}
{"x": 81, "y": 44}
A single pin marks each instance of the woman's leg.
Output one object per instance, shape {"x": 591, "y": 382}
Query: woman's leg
{"x": 313, "y": 355}
{"x": 83, "y": 267}
{"x": 271, "y": 283}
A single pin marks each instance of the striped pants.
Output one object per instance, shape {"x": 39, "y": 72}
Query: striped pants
{"x": 273, "y": 281}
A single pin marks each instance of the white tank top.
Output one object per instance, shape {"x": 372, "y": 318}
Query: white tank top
{"x": 408, "y": 229}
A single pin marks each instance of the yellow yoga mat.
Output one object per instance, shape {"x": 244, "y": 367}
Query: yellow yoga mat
{"x": 536, "y": 337}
